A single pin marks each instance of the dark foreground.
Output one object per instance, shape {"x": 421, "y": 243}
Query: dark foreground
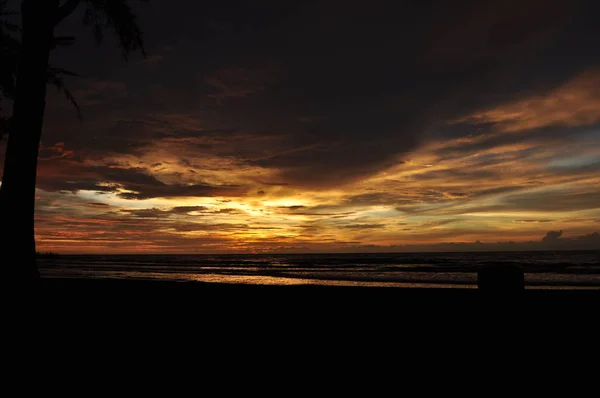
{"x": 191, "y": 301}
{"x": 312, "y": 329}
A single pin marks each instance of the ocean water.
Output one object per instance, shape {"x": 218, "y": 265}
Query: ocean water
{"x": 543, "y": 270}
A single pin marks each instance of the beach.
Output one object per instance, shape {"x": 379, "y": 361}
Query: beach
{"x": 268, "y": 328}
{"x": 313, "y": 303}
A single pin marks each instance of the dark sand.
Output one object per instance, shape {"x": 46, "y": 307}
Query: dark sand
{"x": 266, "y": 329}
{"x": 308, "y": 302}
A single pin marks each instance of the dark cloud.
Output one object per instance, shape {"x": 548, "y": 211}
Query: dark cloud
{"x": 228, "y": 211}
{"x": 281, "y": 184}
{"x": 380, "y": 79}
{"x": 383, "y": 61}
{"x": 593, "y": 239}
{"x": 97, "y": 204}
{"x": 292, "y": 208}
{"x": 260, "y": 98}
{"x": 581, "y": 242}
{"x": 188, "y": 209}
{"x": 136, "y": 182}
{"x": 178, "y": 190}
{"x": 552, "y": 236}
{"x": 239, "y": 82}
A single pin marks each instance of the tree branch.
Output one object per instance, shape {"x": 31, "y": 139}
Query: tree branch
{"x": 65, "y": 10}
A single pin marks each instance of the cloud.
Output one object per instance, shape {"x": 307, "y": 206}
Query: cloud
{"x": 593, "y": 239}
{"x": 55, "y": 151}
{"x": 146, "y": 213}
{"x": 179, "y": 210}
{"x": 292, "y": 208}
{"x": 338, "y": 104}
{"x": 374, "y": 198}
{"x": 240, "y": 82}
{"x": 132, "y": 183}
{"x": 553, "y": 200}
{"x": 552, "y": 236}
{"x": 364, "y": 226}
{"x": 220, "y": 227}
{"x": 228, "y": 211}
{"x": 321, "y": 124}
{"x": 97, "y": 205}
{"x": 156, "y": 212}
{"x": 574, "y": 103}
{"x": 178, "y": 190}
{"x": 490, "y": 28}
{"x": 188, "y": 209}
{"x": 581, "y": 242}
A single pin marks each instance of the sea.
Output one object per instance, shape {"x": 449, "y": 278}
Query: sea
{"x": 542, "y": 270}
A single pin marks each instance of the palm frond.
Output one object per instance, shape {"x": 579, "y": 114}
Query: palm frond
{"x": 55, "y": 78}
{"x": 118, "y": 16}
{"x": 66, "y": 9}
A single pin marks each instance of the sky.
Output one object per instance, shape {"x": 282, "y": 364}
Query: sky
{"x": 327, "y": 126}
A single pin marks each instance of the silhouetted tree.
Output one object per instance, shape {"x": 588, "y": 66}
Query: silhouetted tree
{"x": 17, "y": 193}
{"x": 9, "y": 47}
{"x": 9, "y": 55}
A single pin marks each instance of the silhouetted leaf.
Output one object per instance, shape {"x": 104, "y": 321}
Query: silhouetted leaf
{"x": 55, "y": 78}
{"x": 118, "y": 16}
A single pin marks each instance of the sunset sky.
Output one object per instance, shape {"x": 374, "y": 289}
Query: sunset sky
{"x": 328, "y": 126}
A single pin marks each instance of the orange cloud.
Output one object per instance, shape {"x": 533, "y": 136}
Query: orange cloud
{"x": 575, "y": 103}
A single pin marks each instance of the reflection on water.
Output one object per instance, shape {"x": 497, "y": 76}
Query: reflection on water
{"x": 271, "y": 280}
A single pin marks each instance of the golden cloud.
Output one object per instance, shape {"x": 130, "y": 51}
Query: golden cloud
{"x": 575, "y": 103}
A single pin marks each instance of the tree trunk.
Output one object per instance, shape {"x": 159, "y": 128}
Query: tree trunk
{"x": 17, "y": 194}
